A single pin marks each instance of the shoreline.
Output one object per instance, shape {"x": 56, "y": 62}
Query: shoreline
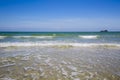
{"x": 53, "y": 63}
{"x": 44, "y": 44}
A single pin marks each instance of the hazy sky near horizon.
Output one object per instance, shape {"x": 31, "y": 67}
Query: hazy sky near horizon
{"x": 59, "y": 15}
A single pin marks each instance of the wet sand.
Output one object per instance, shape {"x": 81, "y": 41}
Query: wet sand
{"x": 60, "y": 63}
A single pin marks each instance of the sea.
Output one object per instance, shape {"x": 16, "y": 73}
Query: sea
{"x": 46, "y": 38}
{"x": 59, "y": 55}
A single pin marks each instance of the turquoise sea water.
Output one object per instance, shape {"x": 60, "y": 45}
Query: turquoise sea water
{"x": 61, "y": 37}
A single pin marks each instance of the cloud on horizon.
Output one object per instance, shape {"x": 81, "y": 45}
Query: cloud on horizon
{"x": 73, "y": 24}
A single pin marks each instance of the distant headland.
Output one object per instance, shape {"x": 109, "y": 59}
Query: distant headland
{"x": 104, "y": 31}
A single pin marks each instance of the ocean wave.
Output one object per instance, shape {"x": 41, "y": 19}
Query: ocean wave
{"x": 25, "y": 44}
{"x": 88, "y": 36}
{"x": 2, "y": 37}
{"x": 39, "y": 37}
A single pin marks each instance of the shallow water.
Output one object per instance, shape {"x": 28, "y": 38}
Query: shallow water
{"x": 60, "y": 63}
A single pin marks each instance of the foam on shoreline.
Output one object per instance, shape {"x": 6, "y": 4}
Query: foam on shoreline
{"x": 27, "y": 44}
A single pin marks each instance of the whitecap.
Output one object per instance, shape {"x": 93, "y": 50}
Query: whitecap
{"x": 21, "y": 36}
{"x": 88, "y": 36}
{"x": 39, "y": 37}
{"x": 2, "y": 37}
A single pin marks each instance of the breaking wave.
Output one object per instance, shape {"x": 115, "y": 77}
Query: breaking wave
{"x": 2, "y": 37}
{"x": 88, "y": 36}
{"x": 39, "y": 37}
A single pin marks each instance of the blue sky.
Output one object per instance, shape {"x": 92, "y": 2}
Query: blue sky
{"x": 59, "y": 15}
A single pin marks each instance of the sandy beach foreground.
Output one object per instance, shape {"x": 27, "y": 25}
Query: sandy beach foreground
{"x": 59, "y": 63}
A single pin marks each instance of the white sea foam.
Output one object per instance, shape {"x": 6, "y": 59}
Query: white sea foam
{"x": 74, "y": 73}
{"x": 76, "y": 79}
{"x": 27, "y": 68}
{"x": 26, "y": 44}
{"x": 63, "y": 62}
{"x": 41, "y": 69}
{"x": 41, "y": 37}
{"x": 2, "y": 37}
{"x": 88, "y": 36}
{"x": 42, "y": 74}
{"x": 64, "y": 72}
{"x": 47, "y": 61}
{"x": 72, "y": 68}
{"x": 7, "y": 65}
{"x": 7, "y": 78}
{"x": 25, "y": 58}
